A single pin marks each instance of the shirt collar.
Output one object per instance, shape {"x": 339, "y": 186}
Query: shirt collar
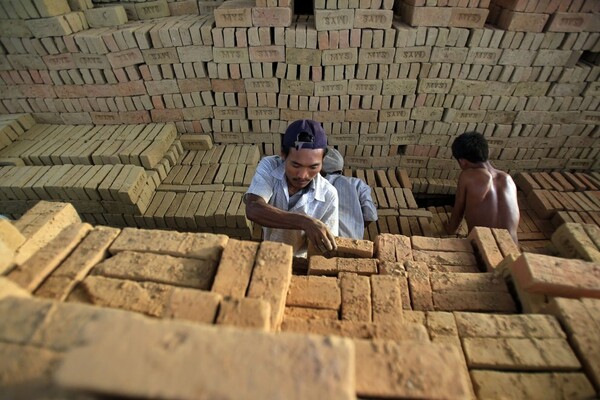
{"x": 317, "y": 185}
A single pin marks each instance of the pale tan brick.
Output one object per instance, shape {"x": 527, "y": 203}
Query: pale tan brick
{"x": 535, "y": 326}
{"x": 42, "y": 223}
{"x": 538, "y": 386}
{"x": 444, "y": 244}
{"x": 21, "y": 318}
{"x": 10, "y": 289}
{"x": 358, "y": 330}
{"x": 310, "y": 313}
{"x": 159, "y": 268}
{"x": 235, "y": 268}
{"x": 32, "y": 273}
{"x": 245, "y": 313}
{"x": 505, "y": 242}
{"x": 10, "y": 235}
{"x": 204, "y": 246}
{"x": 271, "y": 278}
{"x": 92, "y": 249}
{"x": 520, "y": 354}
{"x": 192, "y": 305}
{"x": 315, "y": 360}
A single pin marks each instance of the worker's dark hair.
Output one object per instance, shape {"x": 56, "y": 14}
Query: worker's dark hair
{"x": 471, "y": 146}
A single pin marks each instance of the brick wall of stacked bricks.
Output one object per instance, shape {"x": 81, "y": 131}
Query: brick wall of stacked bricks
{"x": 392, "y": 81}
{"x": 161, "y": 314}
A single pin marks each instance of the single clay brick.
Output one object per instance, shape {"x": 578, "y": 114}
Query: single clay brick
{"x": 224, "y": 362}
{"x": 245, "y": 313}
{"x": 145, "y": 297}
{"x": 505, "y": 242}
{"x": 10, "y": 289}
{"x": 441, "y": 324}
{"x": 158, "y": 268}
{"x": 314, "y": 292}
{"x": 473, "y": 301}
{"x": 361, "y": 266}
{"x": 536, "y": 326}
{"x": 21, "y": 318}
{"x": 271, "y": 278}
{"x": 575, "y": 318}
{"x": 444, "y": 258}
{"x": 10, "y": 235}
{"x": 437, "y": 244}
{"x": 356, "y": 297}
{"x": 205, "y": 246}
{"x": 385, "y": 247}
{"x": 41, "y": 264}
{"x": 572, "y": 241}
{"x": 457, "y": 282}
{"x": 319, "y": 265}
{"x": 387, "y": 369}
{"x": 42, "y": 223}
{"x": 22, "y": 365}
{"x": 7, "y": 258}
{"x": 310, "y": 313}
{"x": 421, "y": 295}
{"x": 354, "y": 247}
{"x": 358, "y": 330}
{"x": 538, "y": 273}
{"x": 192, "y": 305}
{"x": 538, "y": 386}
{"x": 387, "y": 298}
{"x": 235, "y": 268}
{"x": 92, "y": 249}
{"x": 485, "y": 243}
{"x": 520, "y": 354}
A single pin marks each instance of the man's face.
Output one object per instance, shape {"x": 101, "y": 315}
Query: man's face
{"x": 301, "y": 166}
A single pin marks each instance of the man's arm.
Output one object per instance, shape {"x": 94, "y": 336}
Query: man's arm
{"x": 459, "y": 206}
{"x": 259, "y": 211}
{"x": 369, "y": 210}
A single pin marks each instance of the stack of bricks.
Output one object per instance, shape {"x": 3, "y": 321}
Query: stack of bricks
{"x": 204, "y": 192}
{"x": 109, "y": 173}
{"x": 574, "y": 240}
{"x": 149, "y": 9}
{"x": 11, "y": 128}
{"x": 444, "y": 13}
{"x": 411, "y": 307}
{"x": 199, "y": 277}
{"x": 562, "y": 196}
{"x": 548, "y": 16}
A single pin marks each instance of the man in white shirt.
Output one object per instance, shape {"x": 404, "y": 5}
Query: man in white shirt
{"x": 290, "y": 198}
{"x": 357, "y": 209}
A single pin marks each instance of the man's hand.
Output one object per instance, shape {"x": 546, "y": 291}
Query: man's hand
{"x": 318, "y": 233}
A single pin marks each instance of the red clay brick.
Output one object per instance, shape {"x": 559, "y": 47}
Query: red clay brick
{"x": 314, "y": 292}
{"x": 386, "y": 369}
{"x": 485, "y": 243}
{"x": 444, "y": 244}
{"x": 536, "y": 326}
{"x": 387, "y": 298}
{"x": 444, "y": 258}
{"x": 464, "y": 282}
{"x": 420, "y": 288}
{"x": 356, "y": 297}
{"x": 541, "y": 274}
{"x": 505, "y": 242}
{"x": 473, "y": 301}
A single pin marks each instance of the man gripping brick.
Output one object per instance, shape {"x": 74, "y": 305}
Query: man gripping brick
{"x": 288, "y": 196}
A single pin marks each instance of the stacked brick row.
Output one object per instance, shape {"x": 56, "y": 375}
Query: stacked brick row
{"x": 386, "y": 92}
{"x": 562, "y": 197}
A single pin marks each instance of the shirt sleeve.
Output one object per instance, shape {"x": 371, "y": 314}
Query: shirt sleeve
{"x": 263, "y": 182}
{"x": 366, "y": 202}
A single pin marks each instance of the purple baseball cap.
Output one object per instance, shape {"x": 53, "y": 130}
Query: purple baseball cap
{"x": 304, "y": 134}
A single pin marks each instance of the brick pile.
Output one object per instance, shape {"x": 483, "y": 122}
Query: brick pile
{"x": 415, "y": 307}
{"x": 385, "y": 91}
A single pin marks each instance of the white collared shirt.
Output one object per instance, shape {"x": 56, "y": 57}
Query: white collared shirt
{"x": 319, "y": 201}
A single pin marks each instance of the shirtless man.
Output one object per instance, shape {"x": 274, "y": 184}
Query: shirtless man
{"x": 485, "y": 196}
